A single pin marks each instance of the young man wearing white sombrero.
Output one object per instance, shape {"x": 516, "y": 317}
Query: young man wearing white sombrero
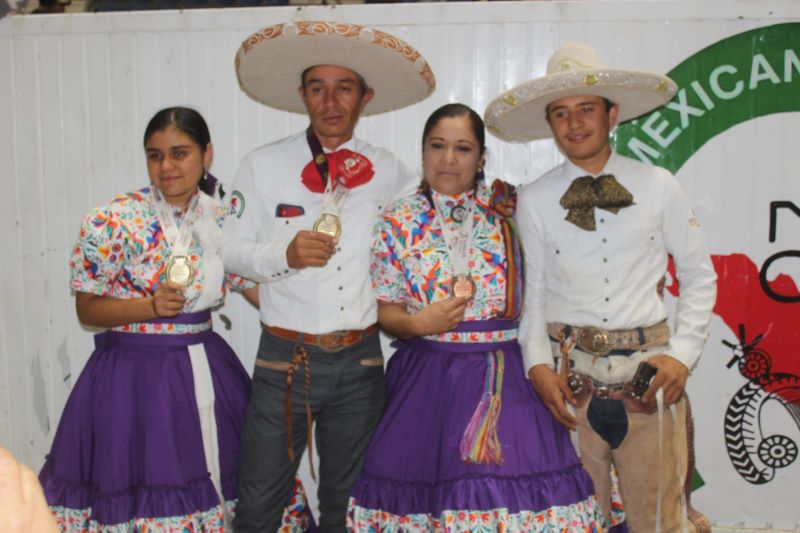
{"x": 597, "y": 232}
{"x": 300, "y": 223}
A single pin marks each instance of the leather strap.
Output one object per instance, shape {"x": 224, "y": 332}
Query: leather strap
{"x": 599, "y": 341}
{"x": 300, "y": 357}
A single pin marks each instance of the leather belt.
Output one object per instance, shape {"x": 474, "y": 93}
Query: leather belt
{"x": 599, "y": 341}
{"x": 583, "y": 385}
{"x": 329, "y": 342}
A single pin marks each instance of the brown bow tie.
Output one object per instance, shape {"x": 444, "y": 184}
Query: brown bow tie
{"x": 586, "y": 193}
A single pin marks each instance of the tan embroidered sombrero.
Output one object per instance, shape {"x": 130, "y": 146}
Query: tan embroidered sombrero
{"x": 269, "y": 63}
{"x": 518, "y": 115}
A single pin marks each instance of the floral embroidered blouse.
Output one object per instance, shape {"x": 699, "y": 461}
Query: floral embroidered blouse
{"x": 411, "y": 265}
{"x": 122, "y": 253}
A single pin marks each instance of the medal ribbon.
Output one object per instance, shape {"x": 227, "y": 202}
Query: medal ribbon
{"x": 458, "y": 243}
{"x": 333, "y": 198}
{"x": 335, "y": 192}
{"x": 178, "y": 239}
{"x": 318, "y": 155}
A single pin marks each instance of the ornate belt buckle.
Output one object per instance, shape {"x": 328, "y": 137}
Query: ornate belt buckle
{"x": 331, "y": 342}
{"x": 602, "y": 392}
{"x": 594, "y": 340}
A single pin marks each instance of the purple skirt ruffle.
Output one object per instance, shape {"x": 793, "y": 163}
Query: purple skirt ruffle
{"x": 129, "y": 441}
{"x": 413, "y": 465}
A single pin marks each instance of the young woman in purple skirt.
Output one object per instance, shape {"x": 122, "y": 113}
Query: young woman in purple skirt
{"x": 465, "y": 444}
{"x": 149, "y": 437}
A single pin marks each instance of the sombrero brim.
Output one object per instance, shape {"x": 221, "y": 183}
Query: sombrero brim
{"x": 518, "y": 115}
{"x": 269, "y": 63}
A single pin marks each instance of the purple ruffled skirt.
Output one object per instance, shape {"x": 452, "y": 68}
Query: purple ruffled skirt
{"x": 414, "y": 477}
{"x": 129, "y": 451}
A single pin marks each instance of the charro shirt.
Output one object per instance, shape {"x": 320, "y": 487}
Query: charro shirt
{"x": 609, "y": 278}
{"x": 270, "y": 204}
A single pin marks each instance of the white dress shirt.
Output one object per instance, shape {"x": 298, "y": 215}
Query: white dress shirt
{"x": 608, "y": 278}
{"x": 313, "y": 300}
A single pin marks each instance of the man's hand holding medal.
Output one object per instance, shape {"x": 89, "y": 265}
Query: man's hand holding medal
{"x": 310, "y": 249}
{"x": 350, "y": 169}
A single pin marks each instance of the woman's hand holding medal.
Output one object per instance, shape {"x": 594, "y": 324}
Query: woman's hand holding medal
{"x": 441, "y": 316}
{"x": 168, "y": 300}
{"x": 310, "y": 249}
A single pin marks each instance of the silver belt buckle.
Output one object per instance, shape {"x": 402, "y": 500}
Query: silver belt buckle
{"x": 602, "y": 392}
{"x": 594, "y": 340}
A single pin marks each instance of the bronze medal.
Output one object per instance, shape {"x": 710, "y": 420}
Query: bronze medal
{"x": 329, "y": 224}
{"x": 462, "y": 286}
{"x": 180, "y": 270}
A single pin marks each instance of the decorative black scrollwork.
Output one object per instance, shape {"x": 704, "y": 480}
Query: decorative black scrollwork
{"x": 754, "y": 456}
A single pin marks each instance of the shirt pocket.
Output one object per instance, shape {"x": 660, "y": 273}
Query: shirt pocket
{"x": 285, "y": 228}
{"x": 562, "y": 260}
{"x": 648, "y": 234}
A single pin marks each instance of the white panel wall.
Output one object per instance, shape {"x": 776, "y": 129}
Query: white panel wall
{"x": 77, "y": 91}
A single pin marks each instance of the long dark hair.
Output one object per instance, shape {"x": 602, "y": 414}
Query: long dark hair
{"x": 190, "y": 122}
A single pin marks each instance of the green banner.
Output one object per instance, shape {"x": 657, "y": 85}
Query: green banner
{"x": 748, "y": 75}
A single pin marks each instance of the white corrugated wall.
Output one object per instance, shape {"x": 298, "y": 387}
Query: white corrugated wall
{"x": 76, "y": 92}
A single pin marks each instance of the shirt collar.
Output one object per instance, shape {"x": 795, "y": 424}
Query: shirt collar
{"x": 349, "y": 144}
{"x": 451, "y": 200}
{"x": 573, "y": 171}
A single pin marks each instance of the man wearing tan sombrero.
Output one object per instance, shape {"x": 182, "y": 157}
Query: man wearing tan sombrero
{"x": 300, "y": 222}
{"x": 597, "y": 232}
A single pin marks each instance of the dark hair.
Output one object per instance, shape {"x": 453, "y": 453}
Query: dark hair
{"x": 193, "y": 125}
{"x": 185, "y": 119}
{"x": 362, "y": 83}
{"x": 457, "y": 111}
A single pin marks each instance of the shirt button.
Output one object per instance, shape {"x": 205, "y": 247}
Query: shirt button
{"x": 605, "y": 320}
{"x": 338, "y": 248}
{"x": 341, "y": 308}
{"x": 607, "y": 298}
{"x": 602, "y": 220}
{"x": 605, "y": 260}
{"x": 341, "y": 288}
{"x": 285, "y": 271}
{"x": 338, "y": 268}
{"x": 286, "y": 222}
{"x": 606, "y": 280}
{"x": 604, "y": 239}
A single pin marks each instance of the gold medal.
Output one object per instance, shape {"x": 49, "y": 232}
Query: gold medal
{"x": 462, "y": 286}
{"x": 180, "y": 270}
{"x": 329, "y": 224}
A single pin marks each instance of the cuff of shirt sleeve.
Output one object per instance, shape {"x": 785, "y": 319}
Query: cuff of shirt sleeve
{"x": 274, "y": 263}
{"x": 533, "y": 356}
{"x": 683, "y": 353}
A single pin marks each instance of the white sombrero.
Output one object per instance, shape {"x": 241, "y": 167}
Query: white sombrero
{"x": 269, "y": 63}
{"x": 518, "y": 115}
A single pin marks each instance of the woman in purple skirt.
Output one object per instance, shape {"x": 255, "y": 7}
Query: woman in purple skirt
{"x": 465, "y": 444}
{"x": 149, "y": 437}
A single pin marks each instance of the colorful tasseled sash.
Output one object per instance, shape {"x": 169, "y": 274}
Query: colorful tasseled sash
{"x": 480, "y": 442}
{"x": 503, "y": 201}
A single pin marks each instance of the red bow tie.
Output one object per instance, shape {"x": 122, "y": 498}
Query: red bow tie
{"x": 345, "y": 166}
